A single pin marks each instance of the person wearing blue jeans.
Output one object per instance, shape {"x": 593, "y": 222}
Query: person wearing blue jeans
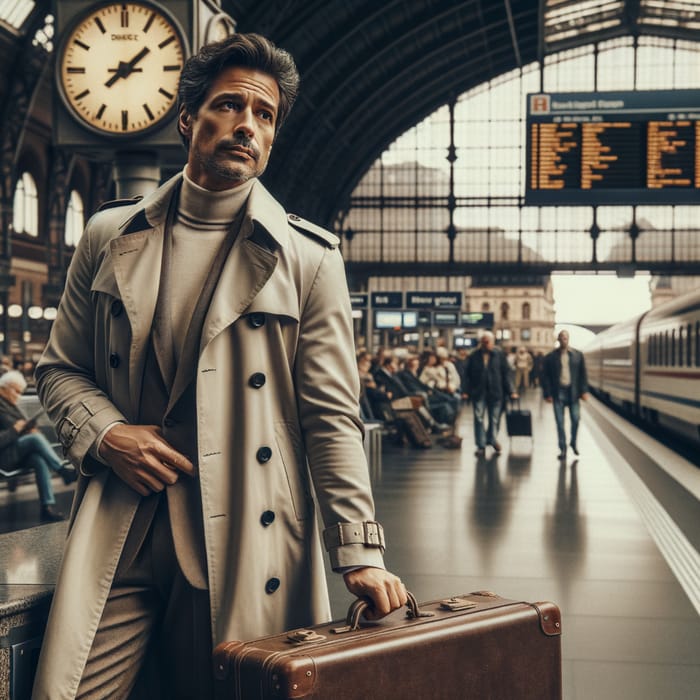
{"x": 22, "y": 444}
{"x": 487, "y": 382}
{"x": 564, "y": 383}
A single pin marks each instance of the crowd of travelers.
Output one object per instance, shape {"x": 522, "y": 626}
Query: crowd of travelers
{"x": 409, "y": 391}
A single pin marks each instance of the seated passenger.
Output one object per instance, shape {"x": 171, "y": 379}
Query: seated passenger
{"x": 442, "y": 405}
{"x": 21, "y": 444}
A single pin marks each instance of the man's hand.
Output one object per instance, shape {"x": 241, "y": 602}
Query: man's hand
{"x": 385, "y": 590}
{"x": 515, "y": 395}
{"x": 141, "y": 458}
{"x": 584, "y": 396}
{"x": 549, "y": 399}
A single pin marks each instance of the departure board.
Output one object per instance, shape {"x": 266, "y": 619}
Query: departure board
{"x": 640, "y": 147}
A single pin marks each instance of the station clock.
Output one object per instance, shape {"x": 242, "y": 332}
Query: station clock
{"x": 118, "y": 67}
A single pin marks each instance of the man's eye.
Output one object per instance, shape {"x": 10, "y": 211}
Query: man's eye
{"x": 267, "y": 116}
{"x": 230, "y": 105}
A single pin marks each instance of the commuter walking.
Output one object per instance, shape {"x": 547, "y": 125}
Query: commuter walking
{"x": 488, "y": 383}
{"x": 201, "y": 373}
{"x": 564, "y": 383}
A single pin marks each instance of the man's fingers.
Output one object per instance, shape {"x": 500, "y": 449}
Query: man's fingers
{"x": 175, "y": 460}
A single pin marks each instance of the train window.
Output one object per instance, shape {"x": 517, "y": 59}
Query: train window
{"x": 673, "y": 348}
{"x": 680, "y": 347}
{"x": 689, "y": 348}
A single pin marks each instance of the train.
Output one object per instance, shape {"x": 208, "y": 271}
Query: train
{"x": 649, "y": 366}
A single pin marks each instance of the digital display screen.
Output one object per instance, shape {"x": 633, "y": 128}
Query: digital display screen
{"x": 640, "y": 147}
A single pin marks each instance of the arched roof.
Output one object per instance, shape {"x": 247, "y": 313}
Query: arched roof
{"x": 371, "y": 70}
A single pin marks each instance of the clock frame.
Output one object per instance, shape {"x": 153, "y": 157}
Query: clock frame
{"x": 118, "y": 67}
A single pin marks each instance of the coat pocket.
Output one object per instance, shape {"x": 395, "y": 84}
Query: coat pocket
{"x": 291, "y": 450}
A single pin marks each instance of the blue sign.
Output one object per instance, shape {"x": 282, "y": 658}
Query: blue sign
{"x": 434, "y": 300}
{"x": 477, "y": 319}
{"x": 387, "y": 300}
{"x": 359, "y": 301}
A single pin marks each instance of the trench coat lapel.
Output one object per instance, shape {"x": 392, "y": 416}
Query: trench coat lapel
{"x": 247, "y": 276}
{"x": 135, "y": 261}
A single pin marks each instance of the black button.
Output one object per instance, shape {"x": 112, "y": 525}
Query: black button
{"x": 169, "y": 422}
{"x": 264, "y": 454}
{"x": 257, "y": 380}
{"x": 267, "y": 518}
{"x": 116, "y": 308}
{"x": 256, "y": 320}
{"x": 272, "y": 585}
{"x": 114, "y": 360}
{"x": 294, "y": 217}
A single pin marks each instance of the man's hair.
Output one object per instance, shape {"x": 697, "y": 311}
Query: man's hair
{"x": 487, "y": 334}
{"x": 244, "y": 50}
{"x": 15, "y": 377}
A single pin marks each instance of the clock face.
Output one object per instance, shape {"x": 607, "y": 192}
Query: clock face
{"x": 119, "y": 66}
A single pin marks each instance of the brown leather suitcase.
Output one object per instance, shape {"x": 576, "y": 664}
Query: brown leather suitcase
{"x": 477, "y": 645}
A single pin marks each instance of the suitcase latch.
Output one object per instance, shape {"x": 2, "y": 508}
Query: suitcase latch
{"x": 456, "y": 603}
{"x": 304, "y": 636}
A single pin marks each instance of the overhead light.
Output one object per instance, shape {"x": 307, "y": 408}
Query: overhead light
{"x": 14, "y": 310}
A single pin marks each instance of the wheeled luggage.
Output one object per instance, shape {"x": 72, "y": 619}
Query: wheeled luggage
{"x": 478, "y": 645}
{"x": 518, "y": 421}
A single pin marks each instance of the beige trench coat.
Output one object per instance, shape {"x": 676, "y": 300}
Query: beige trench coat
{"x": 307, "y": 413}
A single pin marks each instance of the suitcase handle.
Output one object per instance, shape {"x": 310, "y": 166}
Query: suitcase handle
{"x": 357, "y": 607}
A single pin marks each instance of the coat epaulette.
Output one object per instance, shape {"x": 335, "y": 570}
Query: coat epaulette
{"x": 306, "y": 227}
{"x": 119, "y": 202}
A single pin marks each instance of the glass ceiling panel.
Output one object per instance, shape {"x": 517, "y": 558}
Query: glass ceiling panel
{"x": 679, "y": 14}
{"x": 573, "y": 20}
{"x": 15, "y": 12}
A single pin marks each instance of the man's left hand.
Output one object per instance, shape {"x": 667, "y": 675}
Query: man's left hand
{"x": 385, "y": 590}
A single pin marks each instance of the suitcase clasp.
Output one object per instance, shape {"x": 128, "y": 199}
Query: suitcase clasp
{"x": 453, "y": 604}
{"x": 304, "y": 636}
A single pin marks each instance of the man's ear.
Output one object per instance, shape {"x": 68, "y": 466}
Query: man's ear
{"x": 184, "y": 123}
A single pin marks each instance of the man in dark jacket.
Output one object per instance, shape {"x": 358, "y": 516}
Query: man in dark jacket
{"x": 564, "y": 382}
{"x": 487, "y": 381}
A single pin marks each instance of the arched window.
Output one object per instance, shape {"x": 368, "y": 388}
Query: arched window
{"x": 505, "y": 308}
{"x": 526, "y": 311}
{"x": 75, "y": 218}
{"x": 25, "y": 207}
{"x": 486, "y": 306}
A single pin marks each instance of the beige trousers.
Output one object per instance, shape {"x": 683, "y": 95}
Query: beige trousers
{"x": 154, "y": 638}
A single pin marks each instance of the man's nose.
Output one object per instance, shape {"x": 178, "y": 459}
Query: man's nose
{"x": 245, "y": 124}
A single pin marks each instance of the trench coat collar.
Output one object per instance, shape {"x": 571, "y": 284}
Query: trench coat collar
{"x": 262, "y": 209}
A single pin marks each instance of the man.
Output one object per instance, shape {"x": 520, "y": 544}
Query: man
{"x": 202, "y": 353}
{"x": 21, "y": 444}
{"x": 564, "y": 382}
{"x": 487, "y": 381}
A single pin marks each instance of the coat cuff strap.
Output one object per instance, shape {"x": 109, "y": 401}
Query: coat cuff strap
{"x": 369, "y": 533}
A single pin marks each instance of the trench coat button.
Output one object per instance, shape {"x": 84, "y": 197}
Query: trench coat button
{"x": 272, "y": 585}
{"x": 294, "y": 217}
{"x": 257, "y": 380}
{"x": 256, "y": 320}
{"x": 114, "y": 360}
{"x": 267, "y": 518}
{"x": 264, "y": 454}
{"x": 116, "y": 308}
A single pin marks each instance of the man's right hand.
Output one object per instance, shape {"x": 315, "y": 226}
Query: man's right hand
{"x": 141, "y": 458}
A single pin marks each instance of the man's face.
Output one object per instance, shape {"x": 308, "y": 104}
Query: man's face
{"x": 231, "y": 135}
{"x": 487, "y": 343}
{"x": 563, "y": 338}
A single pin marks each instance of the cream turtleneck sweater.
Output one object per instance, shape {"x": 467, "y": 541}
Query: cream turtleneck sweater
{"x": 203, "y": 217}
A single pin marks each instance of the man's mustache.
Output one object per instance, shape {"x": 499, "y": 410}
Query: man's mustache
{"x": 240, "y": 141}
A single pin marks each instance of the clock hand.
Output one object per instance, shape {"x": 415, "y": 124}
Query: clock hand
{"x": 124, "y": 70}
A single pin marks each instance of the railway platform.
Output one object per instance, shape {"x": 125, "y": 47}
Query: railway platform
{"x": 611, "y": 536}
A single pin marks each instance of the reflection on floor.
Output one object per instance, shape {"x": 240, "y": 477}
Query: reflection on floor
{"x": 528, "y": 527}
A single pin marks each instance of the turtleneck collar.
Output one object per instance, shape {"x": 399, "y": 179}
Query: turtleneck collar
{"x": 212, "y": 207}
